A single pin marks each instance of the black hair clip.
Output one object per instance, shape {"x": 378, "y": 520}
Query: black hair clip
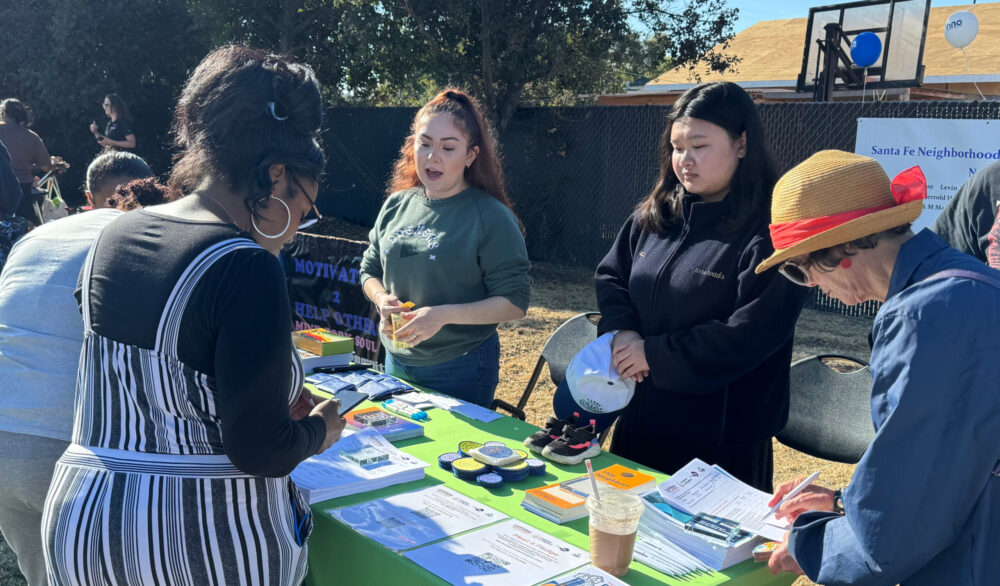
{"x": 270, "y": 108}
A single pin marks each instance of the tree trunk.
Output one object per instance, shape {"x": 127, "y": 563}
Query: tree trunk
{"x": 289, "y": 14}
{"x": 509, "y": 105}
{"x": 489, "y": 90}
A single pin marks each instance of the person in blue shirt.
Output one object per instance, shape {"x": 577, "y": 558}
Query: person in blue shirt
{"x": 923, "y": 505}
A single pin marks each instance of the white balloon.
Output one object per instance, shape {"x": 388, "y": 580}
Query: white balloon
{"x": 961, "y": 29}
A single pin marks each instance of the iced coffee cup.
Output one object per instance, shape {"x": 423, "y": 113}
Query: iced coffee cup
{"x": 614, "y": 519}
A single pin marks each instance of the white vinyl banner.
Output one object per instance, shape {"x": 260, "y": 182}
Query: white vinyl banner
{"x": 947, "y": 151}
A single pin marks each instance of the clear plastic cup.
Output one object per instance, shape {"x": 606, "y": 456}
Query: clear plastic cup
{"x": 614, "y": 520}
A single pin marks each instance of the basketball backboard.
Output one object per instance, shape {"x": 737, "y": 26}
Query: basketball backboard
{"x": 901, "y": 25}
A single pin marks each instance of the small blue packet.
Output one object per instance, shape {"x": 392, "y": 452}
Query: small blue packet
{"x": 335, "y": 385}
{"x": 318, "y": 377}
{"x": 358, "y": 378}
{"x": 384, "y": 386}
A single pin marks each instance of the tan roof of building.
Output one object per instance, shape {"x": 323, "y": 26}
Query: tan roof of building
{"x": 771, "y": 50}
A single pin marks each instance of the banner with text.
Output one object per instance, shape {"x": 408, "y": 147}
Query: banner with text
{"x": 947, "y": 151}
{"x": 325, "y": 291}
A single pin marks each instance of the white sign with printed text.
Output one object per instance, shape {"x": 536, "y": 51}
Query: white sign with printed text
{"x": 947, "y": 151}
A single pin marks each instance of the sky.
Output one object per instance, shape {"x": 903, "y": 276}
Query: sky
{"x": 753, "y": 11}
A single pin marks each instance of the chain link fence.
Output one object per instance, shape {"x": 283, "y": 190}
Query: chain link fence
{"x": 575, "y": 174}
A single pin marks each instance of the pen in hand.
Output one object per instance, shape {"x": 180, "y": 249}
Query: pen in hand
{"x": 795, "y": 491}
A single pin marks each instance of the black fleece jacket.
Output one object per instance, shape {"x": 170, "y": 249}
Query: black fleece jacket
{"x": 966, "y": 222}
{"x": 718, "y": 338}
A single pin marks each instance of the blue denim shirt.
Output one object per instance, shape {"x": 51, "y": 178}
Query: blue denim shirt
{"x": 923, "y": 506}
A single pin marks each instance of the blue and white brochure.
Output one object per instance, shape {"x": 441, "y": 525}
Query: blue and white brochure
{"x": 412, "y": 519}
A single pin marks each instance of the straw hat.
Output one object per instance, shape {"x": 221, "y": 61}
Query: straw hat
{"x": 835, "y": 197}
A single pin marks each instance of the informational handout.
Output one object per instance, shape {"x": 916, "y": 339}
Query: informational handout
{"x": 658, "y": 552}
{"x": 361, "y": 462}
{"x": 586, "y": 576}
{"x": 418, "y": 399}
{"x": 701, "y": 488}
{"x": 510, "y": 552}
{"x": 412, "y": 519}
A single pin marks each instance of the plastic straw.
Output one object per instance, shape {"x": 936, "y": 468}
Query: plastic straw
{"x": 593, "y": 480}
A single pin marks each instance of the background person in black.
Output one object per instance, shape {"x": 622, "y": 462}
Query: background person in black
{"x": 708, "y": 341}
{"x": 118, "y": 133}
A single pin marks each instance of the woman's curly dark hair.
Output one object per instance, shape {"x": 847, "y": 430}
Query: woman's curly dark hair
{"x": 140, "y": 193}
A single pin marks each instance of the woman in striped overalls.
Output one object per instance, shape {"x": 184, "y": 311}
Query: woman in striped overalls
{"x": 189, "y": 410}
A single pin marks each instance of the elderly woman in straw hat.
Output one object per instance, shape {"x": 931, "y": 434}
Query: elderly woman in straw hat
{"x": 923, "y": 506}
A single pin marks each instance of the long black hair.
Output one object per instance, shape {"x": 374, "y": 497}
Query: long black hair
{"x": 726, "y": 105}
{"x": 119, "y": 106}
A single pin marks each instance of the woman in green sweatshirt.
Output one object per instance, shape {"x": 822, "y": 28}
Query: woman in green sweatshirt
{"x": 447, "y": 240}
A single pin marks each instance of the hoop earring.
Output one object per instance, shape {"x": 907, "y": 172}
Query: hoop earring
{"x": 288, "y": 220}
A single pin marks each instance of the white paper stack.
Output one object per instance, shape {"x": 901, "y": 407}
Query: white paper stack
{"x": 662, "y": 522}
{"x": 700, "y": 488}
{"x": 331, "y": 475}
{"x": 311, "y": 361}
{"x": 661, "y": 554}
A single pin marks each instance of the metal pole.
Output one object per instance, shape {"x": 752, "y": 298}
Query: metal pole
{"x": 831, "y": 62}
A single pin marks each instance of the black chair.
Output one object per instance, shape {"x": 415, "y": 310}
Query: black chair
{"x": 829, "y": 415}
{"x": 559, "y": 349}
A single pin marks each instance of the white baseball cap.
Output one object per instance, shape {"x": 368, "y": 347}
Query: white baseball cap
{"x": 593, "y": 380}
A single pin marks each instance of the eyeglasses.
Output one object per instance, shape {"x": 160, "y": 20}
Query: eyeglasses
{"x": 307, "y": 219}
{"x": 795, "y": 273}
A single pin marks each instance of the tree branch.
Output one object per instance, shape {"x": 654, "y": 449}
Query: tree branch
{"x": 421, "y": 28}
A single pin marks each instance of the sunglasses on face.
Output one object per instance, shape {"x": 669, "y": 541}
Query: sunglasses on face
{"x": 311, "y": 216}
{"x": 795, "y": 273}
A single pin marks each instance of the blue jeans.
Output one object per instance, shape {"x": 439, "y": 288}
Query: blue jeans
{"x": 472, "y": 377}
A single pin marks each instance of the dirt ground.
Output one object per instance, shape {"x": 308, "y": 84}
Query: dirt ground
{"x": 559, "y": 293}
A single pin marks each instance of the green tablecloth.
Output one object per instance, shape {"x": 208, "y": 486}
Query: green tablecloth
{"x": 338, "y": 555}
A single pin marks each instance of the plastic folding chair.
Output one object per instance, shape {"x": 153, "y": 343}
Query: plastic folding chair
{"x": 572, "y": 335}
{"x": 829, "y": 415}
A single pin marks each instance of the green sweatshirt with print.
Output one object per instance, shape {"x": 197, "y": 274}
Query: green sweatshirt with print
{"x": 460, "y": 249}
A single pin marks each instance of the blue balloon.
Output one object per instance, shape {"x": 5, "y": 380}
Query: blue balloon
{"x": 865, "y": 49}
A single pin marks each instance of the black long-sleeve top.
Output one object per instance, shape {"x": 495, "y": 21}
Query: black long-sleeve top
{"x": 718, "y": 337}
{"x": 235, "y": 328}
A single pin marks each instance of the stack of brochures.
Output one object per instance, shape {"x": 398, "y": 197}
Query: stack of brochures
{"x": 320, "y": 347}
{"x": 656, "y": 551}
{"x": 711, "y": 515}
{"x": 363, "y": 462}
{"x": 661, "y": 521}
{"x": 566, "y": 501}
{"x": 311, "y": 361}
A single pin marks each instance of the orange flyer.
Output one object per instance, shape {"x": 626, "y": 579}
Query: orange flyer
{"x": 557, "y": 496}
{"x": 622, "y": 478}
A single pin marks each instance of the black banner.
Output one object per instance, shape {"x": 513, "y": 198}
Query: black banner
{"x": 325, "y": 289}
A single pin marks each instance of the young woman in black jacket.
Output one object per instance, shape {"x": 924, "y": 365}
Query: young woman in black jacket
{"x": 707, "y": 341}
